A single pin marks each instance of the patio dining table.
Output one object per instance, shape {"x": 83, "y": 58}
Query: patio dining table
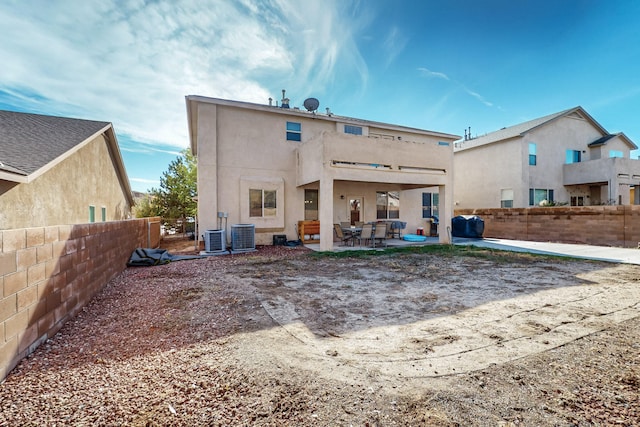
{"x": 355, "y": 231}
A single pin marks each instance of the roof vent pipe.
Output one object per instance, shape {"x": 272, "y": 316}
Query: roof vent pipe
{"x": 270, "y": 101}
{"x": 285, "y": 101}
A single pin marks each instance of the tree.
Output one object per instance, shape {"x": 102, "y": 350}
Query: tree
{"x": 147, "y": 206}
{"x": 178, "y": 187}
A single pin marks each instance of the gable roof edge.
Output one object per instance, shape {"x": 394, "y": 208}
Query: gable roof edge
{"x": 121, "y": 171}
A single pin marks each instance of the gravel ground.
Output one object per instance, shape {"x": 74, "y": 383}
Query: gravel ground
{"x": 176, "y": 345}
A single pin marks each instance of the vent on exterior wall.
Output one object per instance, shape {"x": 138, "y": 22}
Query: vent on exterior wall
{"x": 243, "y": 238}
{"x": 214, "y": 241}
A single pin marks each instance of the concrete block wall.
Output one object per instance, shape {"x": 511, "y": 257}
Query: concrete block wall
{"x": 47, "y": 274}
{"x": 593, "y": 225}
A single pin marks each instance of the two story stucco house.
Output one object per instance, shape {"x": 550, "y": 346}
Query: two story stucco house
{"x": 566, "y": 157}
{"x": 59, "y": 170}
{"x": 274, "y": 166}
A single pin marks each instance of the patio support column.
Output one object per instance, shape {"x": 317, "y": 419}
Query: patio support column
{"x": 325, "y": 214}
{"x": 446, "y": 212}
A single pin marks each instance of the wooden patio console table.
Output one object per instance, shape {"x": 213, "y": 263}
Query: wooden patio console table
{"x": 308, "y": 228}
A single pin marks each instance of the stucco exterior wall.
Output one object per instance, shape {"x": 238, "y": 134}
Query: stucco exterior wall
{"x": 603, "y": 151}
{"x": 63, "y": 194}
{"x": 553, "y": 140}
{"x": 47, "y": 274}
{"x": 240, "y": 148}
{"x": 480, "y": 173}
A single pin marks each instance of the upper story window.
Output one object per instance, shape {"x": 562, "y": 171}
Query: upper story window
{"x": 354, "y": 130}
{"x": 92, "y": 214}
{"x": 532, "y": 154}
{"x": 573, "y": 156}
{"x": 616, "y": 153}
{"x": 294, "y": 131}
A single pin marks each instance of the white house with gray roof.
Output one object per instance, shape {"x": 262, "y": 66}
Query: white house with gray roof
{"x": 58, "y": 170}
{"x": 566, "y": 157}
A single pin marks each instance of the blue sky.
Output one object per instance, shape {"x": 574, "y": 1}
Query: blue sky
{"x": 437, "y": 65}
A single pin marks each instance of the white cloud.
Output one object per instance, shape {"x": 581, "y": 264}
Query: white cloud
{"x": 145, "y": 181}
{"x": 132, "y": 63}
{"x": 478, "y": 97}
{"x": 428, "y": 73}
{"x": 394, "y": 44}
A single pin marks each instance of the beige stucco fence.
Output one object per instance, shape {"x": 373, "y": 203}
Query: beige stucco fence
{"x": 47, "y": 274}
{"x": 617, "y": 226}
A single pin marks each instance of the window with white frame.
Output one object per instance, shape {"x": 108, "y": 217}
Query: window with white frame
{"x": 103, "y": 213}
{"x": 506, "y": 198}
{"x": 353, "y": 130}
{"x": 294, "y": 131}
{"x": 616, "y": 153}
{"x": 92, "y": 214}
{"x": 262, "y": 203}
{"x": 387, "y": 204}
{"x": 537, "y": 195}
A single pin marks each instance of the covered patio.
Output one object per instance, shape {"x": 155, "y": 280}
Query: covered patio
{"x": 364, "y": 167}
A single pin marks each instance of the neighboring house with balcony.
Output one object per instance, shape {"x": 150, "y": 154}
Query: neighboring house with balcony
{"x": 566, "y": 157}
{"x": 58, "y": 170}
{"x": 273, "y": 166}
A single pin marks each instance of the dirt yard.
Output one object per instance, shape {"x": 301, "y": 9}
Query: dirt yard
{"x": 441, "y": 336}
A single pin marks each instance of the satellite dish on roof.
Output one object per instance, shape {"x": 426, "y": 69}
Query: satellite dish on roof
{"x": 311, "y": 104}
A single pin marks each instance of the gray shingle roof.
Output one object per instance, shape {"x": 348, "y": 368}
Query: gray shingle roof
{"x": 601, "y": 141}
{"x": 30, "y": 141}
{"x": 522, "y": 128}
{"x": 514, "y": 131}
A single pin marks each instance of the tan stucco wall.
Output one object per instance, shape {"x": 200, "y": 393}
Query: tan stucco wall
{"x": 482, "y": 171}
{"x": 553, "y": 140}
{"x": 236, "y": 146}
{"x": 480, "y": 174}
{"x": 63, "y": 194}
{"x": 233, "y": 144}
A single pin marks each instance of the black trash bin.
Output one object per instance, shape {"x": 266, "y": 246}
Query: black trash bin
{"x": 471, "y": 226}
{"x": 279, "y": 239}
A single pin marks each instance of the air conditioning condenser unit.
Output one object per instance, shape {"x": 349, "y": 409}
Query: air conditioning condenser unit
{"x": 215, "y": 241}
{"x": 243, "y": 238}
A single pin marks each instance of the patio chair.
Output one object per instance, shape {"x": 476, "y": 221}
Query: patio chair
{"x": 359, "y": 223}
{"x": 380, "y": 234}
{"x": 365, "y": 234}
{"x": 345, "y": 224}
{"x": 344, "y": 237}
